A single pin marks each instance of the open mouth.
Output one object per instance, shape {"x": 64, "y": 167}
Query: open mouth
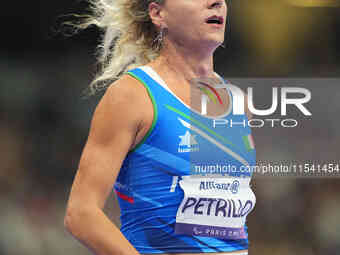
{"x": 215, "y": 20}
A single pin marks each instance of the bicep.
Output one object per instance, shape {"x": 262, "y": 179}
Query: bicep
{"x": 112, "y": 132}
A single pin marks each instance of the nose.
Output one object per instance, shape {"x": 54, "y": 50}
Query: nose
{"x": 215, "y": 4}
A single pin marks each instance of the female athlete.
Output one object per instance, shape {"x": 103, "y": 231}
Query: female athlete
{"x": 174, "y": 161}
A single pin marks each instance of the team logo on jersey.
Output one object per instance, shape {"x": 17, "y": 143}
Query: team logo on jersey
{"x": 188, "y": 143}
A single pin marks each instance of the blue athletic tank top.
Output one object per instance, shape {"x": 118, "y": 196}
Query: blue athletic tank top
{"x": 185, "y": 187}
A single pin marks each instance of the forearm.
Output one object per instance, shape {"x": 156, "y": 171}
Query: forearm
{"x": 95, "y": 230}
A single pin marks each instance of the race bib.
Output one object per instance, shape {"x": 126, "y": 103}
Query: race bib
{"x": 214, "y": 207}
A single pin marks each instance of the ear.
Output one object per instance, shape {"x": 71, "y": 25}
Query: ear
{"x": 156, "y": 14}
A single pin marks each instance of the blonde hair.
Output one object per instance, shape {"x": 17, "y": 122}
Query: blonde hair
{"x": 127, "y": 41}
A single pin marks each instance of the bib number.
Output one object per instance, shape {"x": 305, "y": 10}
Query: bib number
{"x": 214, "y": 207}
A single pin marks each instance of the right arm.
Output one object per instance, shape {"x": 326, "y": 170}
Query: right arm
{"x": 114, "y": 126}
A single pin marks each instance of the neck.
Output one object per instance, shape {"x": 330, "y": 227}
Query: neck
{"x": 188, "y": 63}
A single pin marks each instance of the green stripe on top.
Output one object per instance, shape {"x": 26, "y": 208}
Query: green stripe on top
{"x": 199, "y": 124}
{"x": 155, "y": 111}
{"x": 248, "y": 142}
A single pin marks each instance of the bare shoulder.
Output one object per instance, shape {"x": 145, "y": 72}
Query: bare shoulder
{"x": 123, "y": 103}
{"x": 127, "y": 91}
{"x": 127, "y": 85}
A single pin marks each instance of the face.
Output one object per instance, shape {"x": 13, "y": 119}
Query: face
{"x": 194, "y": 22}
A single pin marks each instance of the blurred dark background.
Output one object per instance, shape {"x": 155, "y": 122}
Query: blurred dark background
{"x": 44, "y": 122}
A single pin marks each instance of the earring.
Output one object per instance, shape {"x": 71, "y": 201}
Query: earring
{"x": 158, "y": 41}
